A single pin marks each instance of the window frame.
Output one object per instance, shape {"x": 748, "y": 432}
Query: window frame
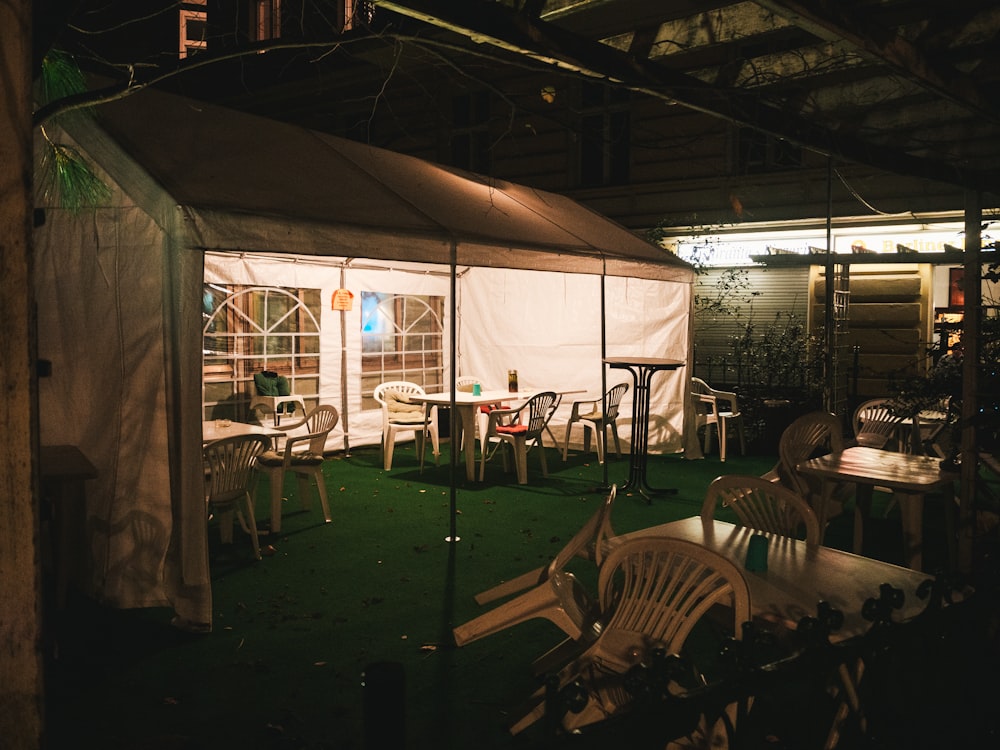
{"x": 415, "y": 329}
{"x": 246, "y": 320}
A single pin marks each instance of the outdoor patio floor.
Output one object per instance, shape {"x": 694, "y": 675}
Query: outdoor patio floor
{"x": 294, "y": 633}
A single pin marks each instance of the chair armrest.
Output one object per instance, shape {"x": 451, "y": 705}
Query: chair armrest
{"x": 708, "y": 400}
{"x": 580, "y": 406}
{"x": 730, "y": 397}
{"x": 291, "y": 442}
{"x": 286, "y": 427}
{"x": 496, "y": 415}
{"x": 512, "y": 586}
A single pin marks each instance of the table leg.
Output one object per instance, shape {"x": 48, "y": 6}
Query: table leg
{"x": 862, "y": 510}
{"x": 638, "y": 456}
{"x": 950, "y": 524}
{"x": 521, "y": 449}
{"x": 68, "y": 520}
{"x": 466, "y": 426}
{"x": 911, "y": 513}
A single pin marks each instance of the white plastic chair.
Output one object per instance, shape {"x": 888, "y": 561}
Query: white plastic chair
{"x": 550, "y": 591}
{"x": 519, "y": 427}
{"x": 302, "y": 455}
{"x": 275, "y": 404}
{"x": 591, "y": 415}
{"x": 652, "y": 592}
{"x": 876, "y": 426}
{"x": 814, "y": 434}
{"x": 762, "y": 505}
{"x": 709, "y": 412}
{"x": 421, "y": 422}
{"x": 229, "y": 465}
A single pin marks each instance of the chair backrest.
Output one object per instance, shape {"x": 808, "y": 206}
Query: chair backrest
{"x": 703, "y": 401}
{"x": 813, "y": 434}
{"x": 320, "y": 422}
{"x": 400, "y": 386}
{"x": 539, "y": 408}
{"x": 700, "y": 387}
{"x": 660, "y": 587}
{"x": 762, "y": 505}
{"x": 875, "y": 424}
{"x": 613, "y": 400}
{"x": 323, "y": 418}
{"x": 229, "y": 463}
{"x": 404, "y": 388}
{"x": 465, "y": 383}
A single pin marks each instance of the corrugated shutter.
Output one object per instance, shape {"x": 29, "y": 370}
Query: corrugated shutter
{"x": 776, "y": 290}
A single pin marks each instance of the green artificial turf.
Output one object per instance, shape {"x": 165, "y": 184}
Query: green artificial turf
{"x": 294, "y": 632}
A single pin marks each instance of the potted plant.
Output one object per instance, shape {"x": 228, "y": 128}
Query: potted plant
{"x": 779, "y": 372}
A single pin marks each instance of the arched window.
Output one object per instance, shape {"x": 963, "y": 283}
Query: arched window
{"x": 250, "y": 329}
{"x": 402, "y": 338}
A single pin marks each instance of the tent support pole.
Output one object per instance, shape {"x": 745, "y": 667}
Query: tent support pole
{"x": 344, "y": 421}
{"x": 829, "y": 333}
{"x": 971, "y": 331}
{"x": 452, "y": 412}
{"x": 604, "y": 372}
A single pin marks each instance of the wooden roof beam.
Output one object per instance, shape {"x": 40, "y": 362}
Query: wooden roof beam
{"x": 831, "y": 22}
{"x": 491, "y": 23}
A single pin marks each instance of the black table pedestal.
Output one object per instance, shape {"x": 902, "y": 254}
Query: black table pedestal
{"x": 642, "y": 369}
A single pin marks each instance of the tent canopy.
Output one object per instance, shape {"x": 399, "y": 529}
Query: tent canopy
{"x": 120, "y": 297}
{"x": 248, "y": 183}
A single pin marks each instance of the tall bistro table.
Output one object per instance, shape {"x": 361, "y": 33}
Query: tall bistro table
{"x": 642, "y": 369}
{"x": 909, "y": 476}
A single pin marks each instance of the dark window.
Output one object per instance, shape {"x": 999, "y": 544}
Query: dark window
{"x": 266, "y": 15}
{"x": 605, "y": 136}
{"x": 761, "y": 152}
{"x": 470, "y": 132}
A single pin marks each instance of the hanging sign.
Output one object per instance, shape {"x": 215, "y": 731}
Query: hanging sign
{"x": 342, "y": 299}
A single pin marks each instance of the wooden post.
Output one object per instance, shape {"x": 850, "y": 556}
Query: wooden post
{"x": 21, "y": 686}
{"x": 972, "y": 283}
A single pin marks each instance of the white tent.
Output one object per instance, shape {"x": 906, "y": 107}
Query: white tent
{"x": 203, "y": 193}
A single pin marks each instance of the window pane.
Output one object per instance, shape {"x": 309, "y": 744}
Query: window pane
{"x": 248, "y": 330}
{"x": 402, "y": 339}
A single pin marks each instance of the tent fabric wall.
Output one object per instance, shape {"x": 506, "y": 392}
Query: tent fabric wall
{"x": 105, "y": 322}
{"x": 119, "y": 290}
{"x": 546, "y": 325}
{"x": 365, "y": 427}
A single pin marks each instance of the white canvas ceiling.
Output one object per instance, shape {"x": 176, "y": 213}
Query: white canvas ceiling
{"x": 247, "y": 183}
